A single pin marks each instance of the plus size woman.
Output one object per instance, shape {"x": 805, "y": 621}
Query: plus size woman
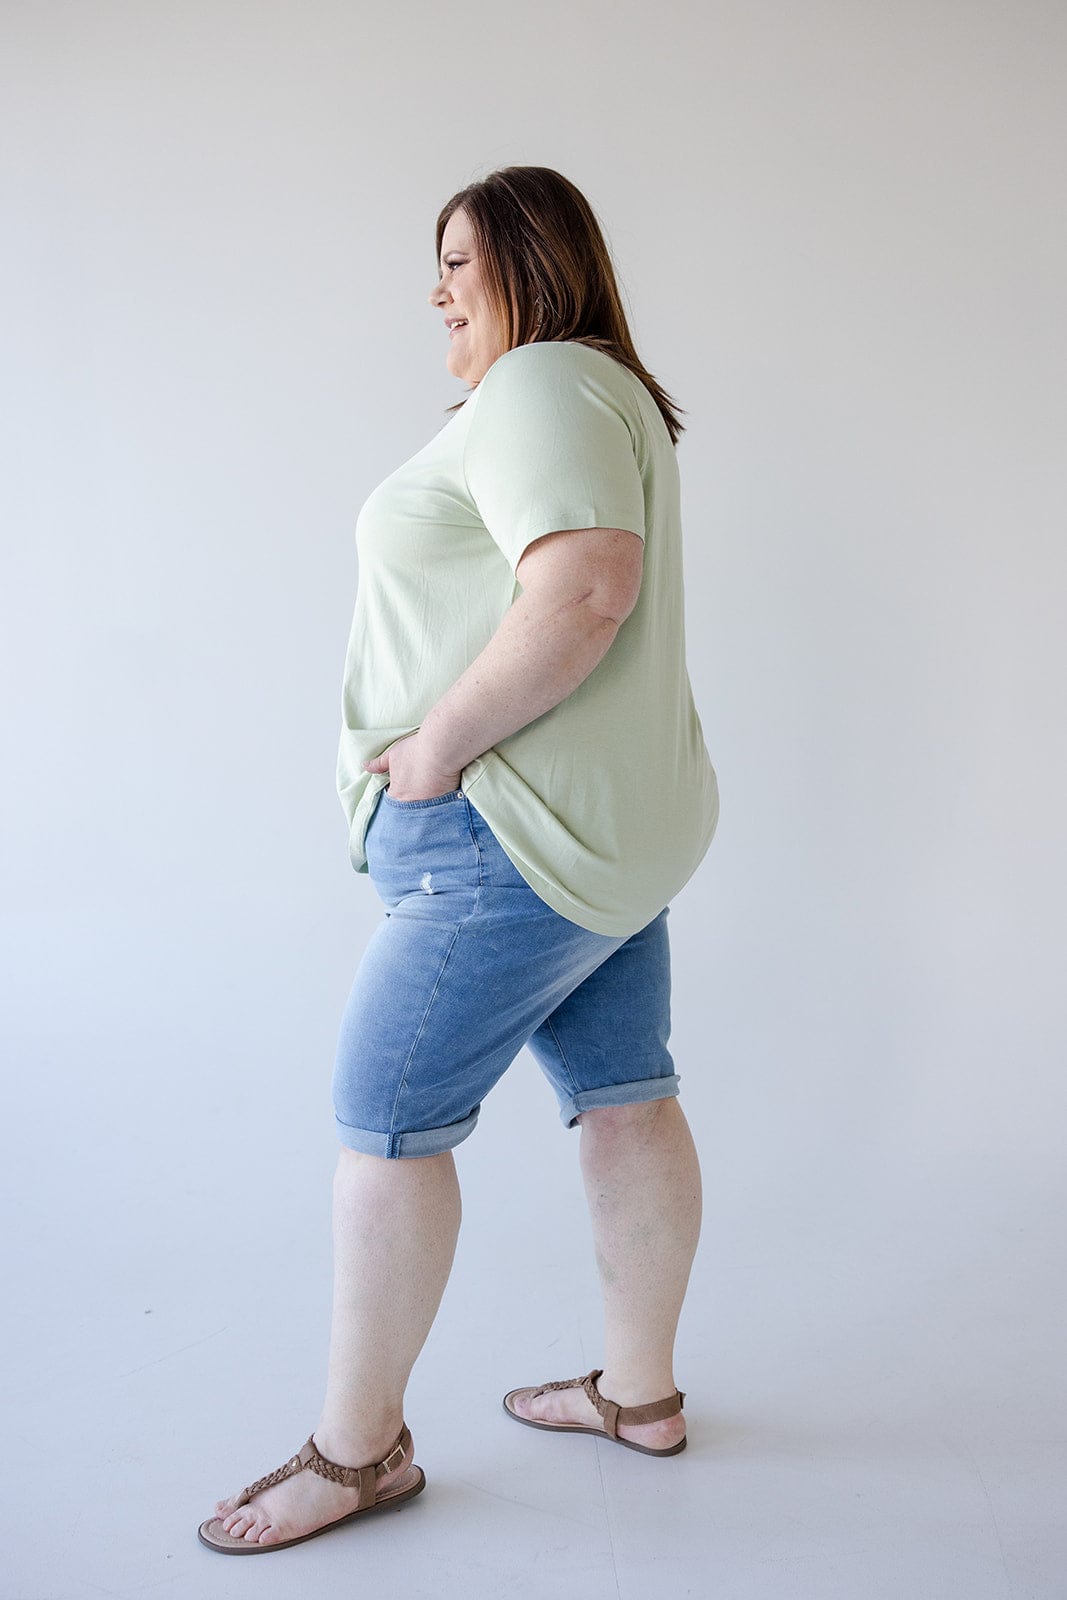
{"x": 525, "y": 781}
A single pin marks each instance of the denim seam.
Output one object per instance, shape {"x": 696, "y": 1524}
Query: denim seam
{"x": 477, "y": 847}
{"x": 563, "y": 1057}
{"x": 393, "y": 1135}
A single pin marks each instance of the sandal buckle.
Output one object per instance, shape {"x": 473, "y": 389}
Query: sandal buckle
{"x": 398, "y": 1452}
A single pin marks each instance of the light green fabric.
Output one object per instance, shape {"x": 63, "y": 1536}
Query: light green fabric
{"x": 607, "y": 802}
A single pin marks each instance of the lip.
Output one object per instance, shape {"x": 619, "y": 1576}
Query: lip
{"x": 455, "y": 328}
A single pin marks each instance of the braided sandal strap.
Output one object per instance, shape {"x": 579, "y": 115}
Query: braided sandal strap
{"x": 568, "y": 1383}
{"x": 366, "y": 1478}
{"x": 613, "y": 1414}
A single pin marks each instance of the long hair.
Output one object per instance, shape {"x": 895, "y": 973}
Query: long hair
{"x": 547, "y": 270}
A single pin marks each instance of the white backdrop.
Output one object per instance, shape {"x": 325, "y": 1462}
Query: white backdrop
{"x": 840, "y": 232}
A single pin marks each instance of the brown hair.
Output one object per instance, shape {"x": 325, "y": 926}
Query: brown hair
{"x": 541, "y": 245}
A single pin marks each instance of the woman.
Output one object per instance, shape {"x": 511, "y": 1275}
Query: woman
{"x": 525, "y": 780}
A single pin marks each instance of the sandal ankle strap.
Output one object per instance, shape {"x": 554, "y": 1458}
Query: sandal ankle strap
{"x": 366, "y": 1478}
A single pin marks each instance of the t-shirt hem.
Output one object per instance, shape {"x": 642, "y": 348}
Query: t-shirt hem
{"x": 557, "y": 899}
{"x": 566, "y": 908}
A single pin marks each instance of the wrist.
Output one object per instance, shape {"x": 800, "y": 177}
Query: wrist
{"x": 438, "y": 751}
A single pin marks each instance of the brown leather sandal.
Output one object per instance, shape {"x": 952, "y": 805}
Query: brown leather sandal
{"x": 613, "y": 1414}
{"x": 213, "y": 1534}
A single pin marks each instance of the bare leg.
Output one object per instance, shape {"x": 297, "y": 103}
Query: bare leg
{"x": 396, "y": 1225}
{"x": 643, "y": 1184}
{"x": 395, "y": 1228}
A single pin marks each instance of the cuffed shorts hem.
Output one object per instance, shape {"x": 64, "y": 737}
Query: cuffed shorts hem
{"x": 420, "y": 1142}
{"x": 619, "y": 1094}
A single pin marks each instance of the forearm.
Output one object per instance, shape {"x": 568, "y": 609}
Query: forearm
{"x": 538, "y": 655}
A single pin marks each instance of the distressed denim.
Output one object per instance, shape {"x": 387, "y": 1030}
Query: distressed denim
{"x": 468, "y": 965}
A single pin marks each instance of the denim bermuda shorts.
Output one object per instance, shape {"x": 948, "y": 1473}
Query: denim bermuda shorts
{"x": 468, "y": 965}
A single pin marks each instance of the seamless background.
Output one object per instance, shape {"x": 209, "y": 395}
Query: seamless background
{"x": 840, "y": 232}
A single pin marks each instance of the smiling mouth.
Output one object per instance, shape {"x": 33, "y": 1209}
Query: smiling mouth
{"x": 456, "y": 326}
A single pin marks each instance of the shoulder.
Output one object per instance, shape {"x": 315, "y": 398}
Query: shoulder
{"x": 556, "y": 394}
{"x": 528, "y": 361}
{"x": 558, "y": 370}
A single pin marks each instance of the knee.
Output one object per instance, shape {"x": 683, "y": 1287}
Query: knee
{"x": 354, "y": 1165}
{"x": 624, "y": 1120}
{"x": 358, "y": 1167}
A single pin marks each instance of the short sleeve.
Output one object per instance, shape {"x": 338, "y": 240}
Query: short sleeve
{"x": 551, "y": 445}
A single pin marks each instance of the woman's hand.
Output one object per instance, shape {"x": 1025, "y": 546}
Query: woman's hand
{"x": 410, "y": 775}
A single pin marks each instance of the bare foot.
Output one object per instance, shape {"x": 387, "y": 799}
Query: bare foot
{"x": 304, "y": 1502}
{"x": 574, "y": 1405}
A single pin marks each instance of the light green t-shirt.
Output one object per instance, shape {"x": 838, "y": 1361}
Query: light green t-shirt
{"x": 607, "y": 802}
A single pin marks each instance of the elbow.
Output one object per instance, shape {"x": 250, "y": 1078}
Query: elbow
{"x": 612, "y": 604}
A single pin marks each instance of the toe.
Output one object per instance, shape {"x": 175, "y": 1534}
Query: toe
{"x": 531, "y": 1406}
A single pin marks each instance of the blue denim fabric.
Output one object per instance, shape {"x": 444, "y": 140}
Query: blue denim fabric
{"x": 468, "y": 965}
